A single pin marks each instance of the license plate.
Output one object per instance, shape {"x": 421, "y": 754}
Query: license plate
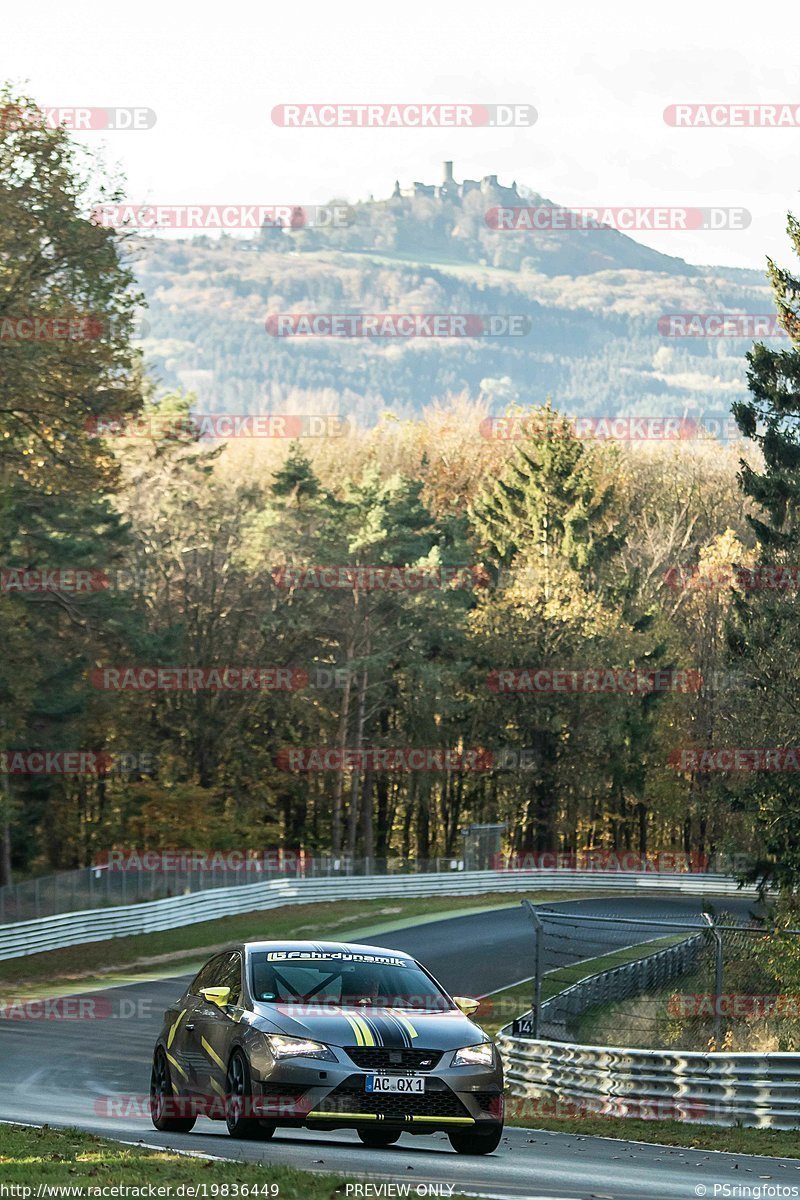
{"x": 396, "y": 1083}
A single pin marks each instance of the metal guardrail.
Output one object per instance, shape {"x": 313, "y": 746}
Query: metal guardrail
{"x": 709, "y": 1089}
{"x": 650, "y": 973}
{"x": 97, "y": 925}
{"x": 753, "y": 1089}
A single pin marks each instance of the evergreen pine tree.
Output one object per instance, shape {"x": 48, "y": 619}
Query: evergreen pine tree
{"x": 765, "y": 628}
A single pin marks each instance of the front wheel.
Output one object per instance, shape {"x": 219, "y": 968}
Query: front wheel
{"x": 474, "y": 1142}
{"x": 376, "y": 1138}
{"x": 239, "y": 1102}
{"x": 163, "y": 1103}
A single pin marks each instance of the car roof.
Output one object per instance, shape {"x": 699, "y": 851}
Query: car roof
{"x": 325, "y": 948}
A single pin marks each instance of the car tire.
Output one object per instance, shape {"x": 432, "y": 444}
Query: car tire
{"x": 238, "y": 1098}
{"x": 377, "y": 1138}
{"x": 471, "y": 1141}
{"x": 162, "y": 1099}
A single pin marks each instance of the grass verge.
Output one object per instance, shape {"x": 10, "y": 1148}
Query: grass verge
{"x": 183, "y": 947}
{"x": 774, "y": 1143}
{"x": 67, "y": 1157}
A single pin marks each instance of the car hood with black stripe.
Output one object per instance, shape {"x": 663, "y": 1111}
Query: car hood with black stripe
{"x": 395, "y": 1028}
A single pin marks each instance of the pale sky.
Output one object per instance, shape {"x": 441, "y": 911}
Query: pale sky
{"x": 599, "y": 75}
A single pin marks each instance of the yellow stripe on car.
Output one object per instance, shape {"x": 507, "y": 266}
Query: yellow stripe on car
{"x": 447, "y": 1120}
{"x": 405, "y": 1022}
{"x": 406, "y": 1118}
{"x": 355, "y": 1028}
{"x": 366, "y": 1032}
{"x": 347, "y": 1115}
{"x": 218, "y": 1088}
{"x": 174, "y": 1028}
{"x": 177, "y": 1065}
{"x": 212, "y": 1054}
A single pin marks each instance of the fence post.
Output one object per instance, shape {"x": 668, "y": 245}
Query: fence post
{"x": 531, "y": 912}
{"x": 717, "y": 981}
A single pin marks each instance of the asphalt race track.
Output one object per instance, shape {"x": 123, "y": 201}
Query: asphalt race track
{"x": 95, "y": 1075}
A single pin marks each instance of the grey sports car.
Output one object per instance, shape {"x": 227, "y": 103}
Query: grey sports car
{"x": 326, "y": 1035}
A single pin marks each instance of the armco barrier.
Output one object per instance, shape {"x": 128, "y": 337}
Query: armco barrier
{"x": 647, "y": 974}
{"x": 709, "y": 1089}
{"x": 97, "y": 925}
{"x": 555, "y": 1077}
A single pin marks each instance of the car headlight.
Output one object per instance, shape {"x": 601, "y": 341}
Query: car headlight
{"x": 289, "y": 1047}
{"x": 481, "y": 1055}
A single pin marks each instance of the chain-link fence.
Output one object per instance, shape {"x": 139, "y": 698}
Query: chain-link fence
{"x": 128, "y": 881}
{"x": 128, "y": 877}
{"x": 721, "y": 981}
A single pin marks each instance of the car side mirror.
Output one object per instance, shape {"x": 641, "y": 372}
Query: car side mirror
{"x": 218, "y": 996}
{"x": 466, "y": 1004}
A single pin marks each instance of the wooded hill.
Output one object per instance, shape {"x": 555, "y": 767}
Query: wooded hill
{"x": 592, "y": 300}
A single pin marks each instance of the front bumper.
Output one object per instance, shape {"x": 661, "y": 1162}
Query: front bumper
{"x": 330, "y": 1095}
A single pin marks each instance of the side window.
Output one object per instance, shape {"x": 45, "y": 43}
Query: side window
{"x": 231, "y": 976}
{"x": 207, "y": 977}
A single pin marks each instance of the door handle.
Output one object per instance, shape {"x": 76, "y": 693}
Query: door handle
{"x": 190, "y": 1027}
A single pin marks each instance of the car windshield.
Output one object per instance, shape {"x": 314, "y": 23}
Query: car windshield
{"x": 304, "y": 977}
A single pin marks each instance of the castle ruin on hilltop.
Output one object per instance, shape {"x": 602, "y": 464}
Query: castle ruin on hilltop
{"x": 448, "y": 189}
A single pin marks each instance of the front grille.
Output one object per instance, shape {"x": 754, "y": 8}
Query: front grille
{"x": 381, "y": 1058}
{"x": 350, "y": 1097}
